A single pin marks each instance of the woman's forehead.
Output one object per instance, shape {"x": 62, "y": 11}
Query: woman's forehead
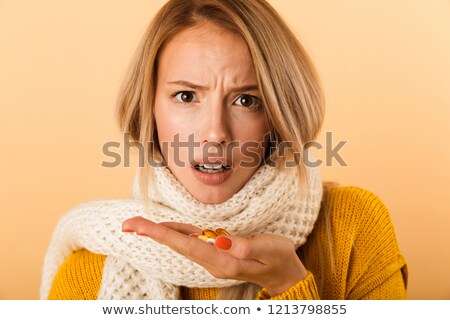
{"x": 202, "y": 51}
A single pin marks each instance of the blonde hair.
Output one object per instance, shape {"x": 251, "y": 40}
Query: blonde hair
{"x": 290, "y": 88}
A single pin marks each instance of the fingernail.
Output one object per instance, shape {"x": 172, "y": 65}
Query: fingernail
{"x": 127, "y": 230}
{"x": 223, "y": 243}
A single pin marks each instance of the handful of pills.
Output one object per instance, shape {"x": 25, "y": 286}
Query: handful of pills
{"x": 209, "y": 235}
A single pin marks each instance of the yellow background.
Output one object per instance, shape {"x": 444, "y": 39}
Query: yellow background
{"x": 385, "y": 66}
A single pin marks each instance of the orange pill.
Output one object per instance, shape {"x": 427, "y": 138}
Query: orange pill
{"x": 222, "y": 232}
{"x": 209, "y": 233}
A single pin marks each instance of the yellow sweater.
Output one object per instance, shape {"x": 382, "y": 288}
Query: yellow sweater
{"x": 361, "y": 259}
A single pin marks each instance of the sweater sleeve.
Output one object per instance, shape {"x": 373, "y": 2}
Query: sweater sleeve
{"x": 305, "y": 289}
{"x": 356, "y": 258}
{"x": 79, "y": 277}
{"x": 390, "y": 289}
{"x": 377, "y": 270}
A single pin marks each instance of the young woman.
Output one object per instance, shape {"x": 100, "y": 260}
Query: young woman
{"x": 228, "y": 99}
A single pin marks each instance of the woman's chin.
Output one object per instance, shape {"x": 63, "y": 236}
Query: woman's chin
{"x": 212, "y": 195}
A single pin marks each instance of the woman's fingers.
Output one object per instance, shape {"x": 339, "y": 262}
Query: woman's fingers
{"x": 138, "y": 224}
{"x": 184, "y": 228}
{"x": 261, "y": 247}
{"x": 192, "y": 248}
{"x": 231, "y": 257}
{"x": 173, "y": 234}
{"x": 268, "y": 260}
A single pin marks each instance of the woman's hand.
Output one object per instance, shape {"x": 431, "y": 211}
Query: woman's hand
{"x": 267, "y": 260}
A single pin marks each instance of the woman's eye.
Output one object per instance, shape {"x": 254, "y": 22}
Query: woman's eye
{"x": 184, "y": 96}
{"x": 249, "y": 101}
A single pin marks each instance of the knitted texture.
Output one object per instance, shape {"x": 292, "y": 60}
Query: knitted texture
{"x": 140, "y": 268}
{"x": 306, "y": 289}
{"x": 366, "y": 260}
{"x": 88, "y": 274}
{"x": 363, "y": 252}
{"x": 199, "y": 293}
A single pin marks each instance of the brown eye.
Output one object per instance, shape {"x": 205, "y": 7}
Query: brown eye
{"x": 185, "y": 96}
{"x": 248, "y": 101}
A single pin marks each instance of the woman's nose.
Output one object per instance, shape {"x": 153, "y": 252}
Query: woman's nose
{"x": 216, "y": 126}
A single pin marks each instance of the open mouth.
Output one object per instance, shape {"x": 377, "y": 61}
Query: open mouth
{"x": 212, "y": 168}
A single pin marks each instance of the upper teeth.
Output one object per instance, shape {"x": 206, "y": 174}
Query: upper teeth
{"x": 211, "y": 166}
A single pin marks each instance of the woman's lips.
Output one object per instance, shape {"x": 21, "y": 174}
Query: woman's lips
{"x": 211, "y": 178}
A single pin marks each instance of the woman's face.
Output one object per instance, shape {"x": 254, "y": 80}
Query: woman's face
{"x": 204, "y": 114}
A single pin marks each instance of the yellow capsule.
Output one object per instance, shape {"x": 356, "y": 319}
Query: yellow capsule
{"x": 209, "y": 233}
{"x": 211, "y": 240}
{"x": 202, "y": 237}
{"x": 222, "y": 232}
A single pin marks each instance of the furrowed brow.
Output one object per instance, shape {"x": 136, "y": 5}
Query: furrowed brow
{"x": 200, "y": 87}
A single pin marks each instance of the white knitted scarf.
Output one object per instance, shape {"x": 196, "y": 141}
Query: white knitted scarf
{"x": 137, "y": 267}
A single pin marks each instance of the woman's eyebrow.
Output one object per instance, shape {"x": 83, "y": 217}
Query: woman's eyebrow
{"x": 200, "y": 87}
